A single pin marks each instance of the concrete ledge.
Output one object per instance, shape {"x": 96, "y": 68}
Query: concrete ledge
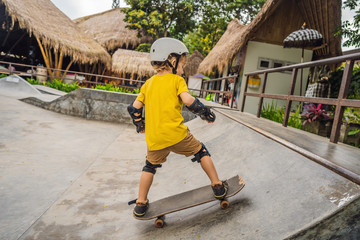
{"x": 341, "y": 224}
{"x": 49, "y": 90}
{"x": 94, "y": 104}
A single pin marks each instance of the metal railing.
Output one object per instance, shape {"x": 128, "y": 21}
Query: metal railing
{"x": 340, "y": 103}
{"x": 219, "y": 94}
{"x": 79, "y": 77}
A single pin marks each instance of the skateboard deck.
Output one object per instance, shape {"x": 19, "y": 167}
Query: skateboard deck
{"x": 192, "y": 198}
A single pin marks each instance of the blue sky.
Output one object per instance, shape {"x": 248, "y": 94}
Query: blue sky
{"x": 79, "y": 8}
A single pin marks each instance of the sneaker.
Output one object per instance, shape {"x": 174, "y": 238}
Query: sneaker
{"x": 141, "y": 208}
{"x": 220, "y": 190}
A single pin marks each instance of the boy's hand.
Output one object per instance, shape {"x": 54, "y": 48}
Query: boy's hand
{"x": 200, "y": 109}
{"x": 140, "y": 125}
{"x": 209, "y": 116}
{"x": 136, "y": 115}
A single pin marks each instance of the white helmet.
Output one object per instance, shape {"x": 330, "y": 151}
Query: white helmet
{"x": 163, "y": 47}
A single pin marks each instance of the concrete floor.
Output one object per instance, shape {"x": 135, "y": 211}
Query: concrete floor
{"x": 63, "y": 177}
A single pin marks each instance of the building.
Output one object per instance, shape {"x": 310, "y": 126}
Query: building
{"x": 259, "y": 45}
{"x": 37, "y": 32}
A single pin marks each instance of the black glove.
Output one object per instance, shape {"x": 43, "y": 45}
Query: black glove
{"x": 200, "y": 109}
{"x": 136, "y": 115}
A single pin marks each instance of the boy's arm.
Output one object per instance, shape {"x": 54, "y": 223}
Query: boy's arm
{"x": 135, "y": 111}
{"x": 187, "y": 98}
{"x": 195, "y": 106}
{"x": 137, "y": 104}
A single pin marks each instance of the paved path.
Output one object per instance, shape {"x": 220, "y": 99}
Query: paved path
{"x": 67, "y": 178}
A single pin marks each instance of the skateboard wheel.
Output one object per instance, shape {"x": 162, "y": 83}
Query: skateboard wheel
{"x": 224, "y": 204}
{"x": 159, "y": 223}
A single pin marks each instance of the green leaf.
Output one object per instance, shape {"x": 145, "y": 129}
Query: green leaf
{"x": 353, "y": 132}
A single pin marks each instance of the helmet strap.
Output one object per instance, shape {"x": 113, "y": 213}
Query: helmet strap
{"x": 174, "y": 69}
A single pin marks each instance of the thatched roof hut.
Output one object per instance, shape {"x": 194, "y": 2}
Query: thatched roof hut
{"x": 108, "y": 28}
{"x": 54, "y": 30}
{"x": 192, "y": 64}
{"x": 276, "y": 20}
{"x": 132, "y": 62}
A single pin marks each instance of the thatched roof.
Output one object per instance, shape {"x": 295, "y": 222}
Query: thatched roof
{"x": 108, "y": 28}
{"x": 44, "y": 20}
{"x": 275, "y": 21}
{"x": 192, "y": 63}
{"x": 132, "y": 62}
{"x": 225, "y": 49}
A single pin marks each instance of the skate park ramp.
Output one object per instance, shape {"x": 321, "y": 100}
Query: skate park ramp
{"x": 15, "y": 85}
{"x": 77, "y": 182}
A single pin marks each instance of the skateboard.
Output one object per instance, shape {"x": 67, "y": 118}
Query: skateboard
{"x": 189, "y": 199}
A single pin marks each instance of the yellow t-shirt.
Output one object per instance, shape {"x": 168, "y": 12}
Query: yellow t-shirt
{"x": 163, "y": 120}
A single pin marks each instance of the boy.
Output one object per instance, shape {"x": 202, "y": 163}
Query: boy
{"x": 163, "y": 96}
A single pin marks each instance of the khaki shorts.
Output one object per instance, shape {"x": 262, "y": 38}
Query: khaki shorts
{"x": 188, "y": 146}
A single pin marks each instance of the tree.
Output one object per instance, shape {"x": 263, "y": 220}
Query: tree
{"x": 215, "y": 16}
{"x": 199, "y": 23}
{"x": 348, "y": 30}
{"x": 244, "y": 10}
{"x": 210, "y": 28}
{"x": 161, "y": 18}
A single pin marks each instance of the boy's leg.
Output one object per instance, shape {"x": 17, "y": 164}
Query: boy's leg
{"x": 154, "y": 160}
{"x": 209, "y": 168}
{"x": 191, "y": 146}
{"x": 146, "y": 180}
{"x": 219, "y": 188}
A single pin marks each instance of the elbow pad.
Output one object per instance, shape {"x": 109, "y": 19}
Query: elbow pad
{"x": 200, "y": 109}
{"x": 138, "y": 119}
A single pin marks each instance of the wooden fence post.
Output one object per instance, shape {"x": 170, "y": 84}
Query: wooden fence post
{"x": 245, "y": 90}
{"x": 339, "y": 110}
{"x": 288, "y": 101}
{"x": 261, "y": 98}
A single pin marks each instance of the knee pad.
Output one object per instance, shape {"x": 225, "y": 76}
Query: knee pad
{"x": 199, "y": 155}
{"x": 151, "y": 168}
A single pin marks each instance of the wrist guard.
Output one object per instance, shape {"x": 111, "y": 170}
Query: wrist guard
{"x": 136, "y": 115}
{"x": 200, "y": 109}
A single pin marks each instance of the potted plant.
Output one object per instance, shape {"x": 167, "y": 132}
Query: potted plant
{"x": 316, "y": 120}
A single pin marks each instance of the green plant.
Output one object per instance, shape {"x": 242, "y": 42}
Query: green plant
{"x": 276, "y": 114}
{"x": 294, "y": 119}
{"x": 354, "y": 132}
{"x": 33, "y": 81}
{"x": 312, "y": 113}
{"x": 335, "y": 82}
{"x": 143, "y": 47}
{"x": 351, "y": 115}
{"x": 57, "y": 84}
{"x": 65, "y": 87}
{"x": 114, "y": 88}
{"x": 273, "y": 112}
{"x": 3, "y": 75}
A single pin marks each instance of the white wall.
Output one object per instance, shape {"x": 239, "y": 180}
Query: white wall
{"x": 277, "y": 83}
{"x": 194, "y": 83}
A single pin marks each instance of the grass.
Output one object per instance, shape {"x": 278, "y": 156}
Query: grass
{"x": 276, "y": 114}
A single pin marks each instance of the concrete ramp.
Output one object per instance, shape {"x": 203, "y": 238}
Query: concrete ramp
{"x": 15, "y": 85}
{"x": 93, "y": 104}
{"x": 286, "y": 195}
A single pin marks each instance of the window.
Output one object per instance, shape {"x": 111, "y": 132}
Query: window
{"x": 264, "y": 63}
{"x": 278, "y": 64}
